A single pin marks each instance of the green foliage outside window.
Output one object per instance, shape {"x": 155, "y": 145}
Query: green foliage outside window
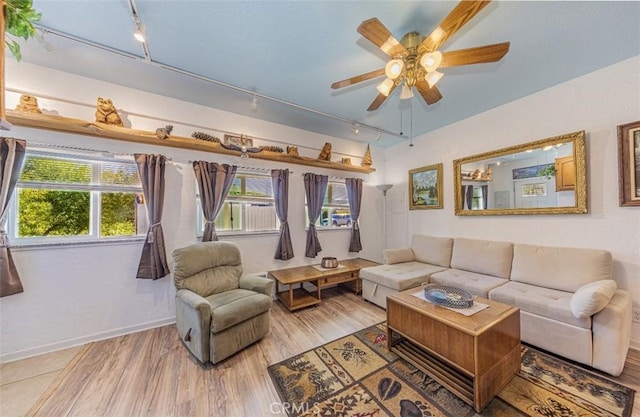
{"x": 43, "y": 211}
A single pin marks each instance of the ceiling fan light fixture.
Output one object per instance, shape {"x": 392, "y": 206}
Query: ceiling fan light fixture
{"x": 406, "y": 92}
{"x": 394, "y": 68}
{"x": 385, "y": 87}
{"x": 431, "y": 61}
{"x": 432, "y": 78}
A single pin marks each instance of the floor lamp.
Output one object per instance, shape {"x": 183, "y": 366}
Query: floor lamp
{"x": 384, "y": 188}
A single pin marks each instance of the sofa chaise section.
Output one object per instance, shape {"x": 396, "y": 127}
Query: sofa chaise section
{"x": 406, "y": 268}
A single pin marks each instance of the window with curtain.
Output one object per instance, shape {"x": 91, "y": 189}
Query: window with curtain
{"x": 248, "y": 208}
{"x": 67, "y": 196}
{"x": 335, "y": 208}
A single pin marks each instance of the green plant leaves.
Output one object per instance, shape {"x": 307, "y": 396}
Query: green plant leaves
{"x": 19, "y": 19}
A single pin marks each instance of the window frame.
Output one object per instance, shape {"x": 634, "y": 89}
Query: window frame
{"x": 330, "y": 207}
{"x": 94, "y": 188}
{"x": 242, "y": 199}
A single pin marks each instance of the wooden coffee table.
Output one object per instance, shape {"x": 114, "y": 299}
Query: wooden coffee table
{"x": 474, "y": 357}
{"x": 295, "y": 298}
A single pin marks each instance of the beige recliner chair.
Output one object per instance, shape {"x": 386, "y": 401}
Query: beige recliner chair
{"x": 218, "y": 310}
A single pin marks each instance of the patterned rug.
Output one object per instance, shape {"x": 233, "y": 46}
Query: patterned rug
{"x": 357, "y": 376}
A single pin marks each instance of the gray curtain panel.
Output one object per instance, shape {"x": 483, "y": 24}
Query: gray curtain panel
{"x": 280, "y": 182}
{"x": 214, "y": 181}
{"x": 12, "y": 152}
{"x": 485, "y": 195}
{"x": 464, "y": 194}
{"x": 354, "y": 192}
{"x": 469, "y": 196}
{"x": 315, "y": 187}
{"x": 153, "y": 261}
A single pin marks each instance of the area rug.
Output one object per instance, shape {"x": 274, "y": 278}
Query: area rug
{"x": 357, "y": 376}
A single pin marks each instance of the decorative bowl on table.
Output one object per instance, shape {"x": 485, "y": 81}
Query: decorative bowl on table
{"x": 329, "y": 262}
{"x": 448, "y": 296}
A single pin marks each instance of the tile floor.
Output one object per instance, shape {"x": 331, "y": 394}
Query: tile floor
{"x": 23, "y": 382}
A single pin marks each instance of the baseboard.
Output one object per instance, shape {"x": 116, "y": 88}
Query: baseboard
{"x": 635, "y": 345}
{"x": 95, "y": 337}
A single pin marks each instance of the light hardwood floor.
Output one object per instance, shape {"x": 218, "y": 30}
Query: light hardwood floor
{"x": 150, "y": 373}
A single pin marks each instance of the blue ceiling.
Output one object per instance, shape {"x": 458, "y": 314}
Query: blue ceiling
{"x": 293, "y": 50}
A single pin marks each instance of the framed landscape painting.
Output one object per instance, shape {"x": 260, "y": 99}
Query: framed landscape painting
{"x": 629, "y": 164}
{"x": 425, "y": 187}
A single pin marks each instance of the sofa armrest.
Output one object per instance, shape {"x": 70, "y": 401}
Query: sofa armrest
{"x": 257, "y": 283}
{"x": 193, "y": 320}
{"x": 612, "y": 334}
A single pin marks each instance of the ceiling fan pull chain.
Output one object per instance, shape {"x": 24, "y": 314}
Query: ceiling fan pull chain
{"x": 411, "y": 124}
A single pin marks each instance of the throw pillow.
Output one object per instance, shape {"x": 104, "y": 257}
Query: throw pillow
{"x": 592, "y": 297}
{"x": 396, "y": 256}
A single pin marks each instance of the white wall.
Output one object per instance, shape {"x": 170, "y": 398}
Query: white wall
{"x": 83, "y": 293}
{"x": 596, "y": 103}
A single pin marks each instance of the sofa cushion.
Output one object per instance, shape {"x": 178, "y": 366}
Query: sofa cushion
{"x": 483, "y": 256}
{"x": 477, "y": 284}
{"x": 592, "y": 297}
{"x": 395, "y": 256}
{"x": 564, "y": 269}
{"x": 545, "y": 302}
{"x": 400, "y": 276}
{"x": 232, "y": 307}
{"x": 432, "y": 250}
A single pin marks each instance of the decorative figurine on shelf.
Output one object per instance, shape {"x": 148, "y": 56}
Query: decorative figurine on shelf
{"x": 106, "y": 113}
{"x": 366, "y": 159}
{"x": 274, "y": 149}
{"x": 205, "y": 136}
{"x": 164, "y": 132}
{"x": 346, "y": 161}
{"x": 292, "y": 151}
{"x": 476, "y": 175}
{"x": 28, "y": 104}
{"x": 325, "y": 153}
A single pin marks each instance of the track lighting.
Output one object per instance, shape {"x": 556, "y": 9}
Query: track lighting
{"x": 139, "y": 35}
{"x": 356, "y": 129}
{"x": 378, "y": 136}
{"x": 254, "y": 104}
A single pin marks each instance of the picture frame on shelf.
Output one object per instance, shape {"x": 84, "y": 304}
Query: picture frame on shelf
{"x": 629, "y": 164}
{"x": 425, "y": 187}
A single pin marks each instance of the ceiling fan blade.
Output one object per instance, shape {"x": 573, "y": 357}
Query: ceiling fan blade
{"x": 458, "y": 17}
{"x": 358, "y": 79}
{"x": 430, "y": 95}
{"x": 380, "y": 36}
{"x": 380, "y": 98}
{"x": 477, "y": 55}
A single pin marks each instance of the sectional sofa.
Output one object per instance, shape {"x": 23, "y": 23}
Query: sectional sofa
{"x": 569, "y": 304}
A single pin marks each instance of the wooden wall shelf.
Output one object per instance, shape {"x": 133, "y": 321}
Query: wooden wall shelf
{"x": 101, "y": 130}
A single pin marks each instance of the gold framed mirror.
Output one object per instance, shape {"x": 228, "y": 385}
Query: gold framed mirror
{"x": 548, "y": 176}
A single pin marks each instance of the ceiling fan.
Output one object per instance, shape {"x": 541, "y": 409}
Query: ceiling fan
{"x": 415, "y": 59}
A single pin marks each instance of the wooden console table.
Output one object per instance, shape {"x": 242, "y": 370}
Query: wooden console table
{"x": 472, "y": 356}
{"x": 295, "y": 298}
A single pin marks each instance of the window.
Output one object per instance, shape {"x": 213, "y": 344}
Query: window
{"x": 249, "y": 207}
{"x": 62, "y": 197}
{"x": 335, "y": 207}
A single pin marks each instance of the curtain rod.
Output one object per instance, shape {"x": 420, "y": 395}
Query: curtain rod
{"x": 105, "y": 154}
{"x": 243, "y": 168}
